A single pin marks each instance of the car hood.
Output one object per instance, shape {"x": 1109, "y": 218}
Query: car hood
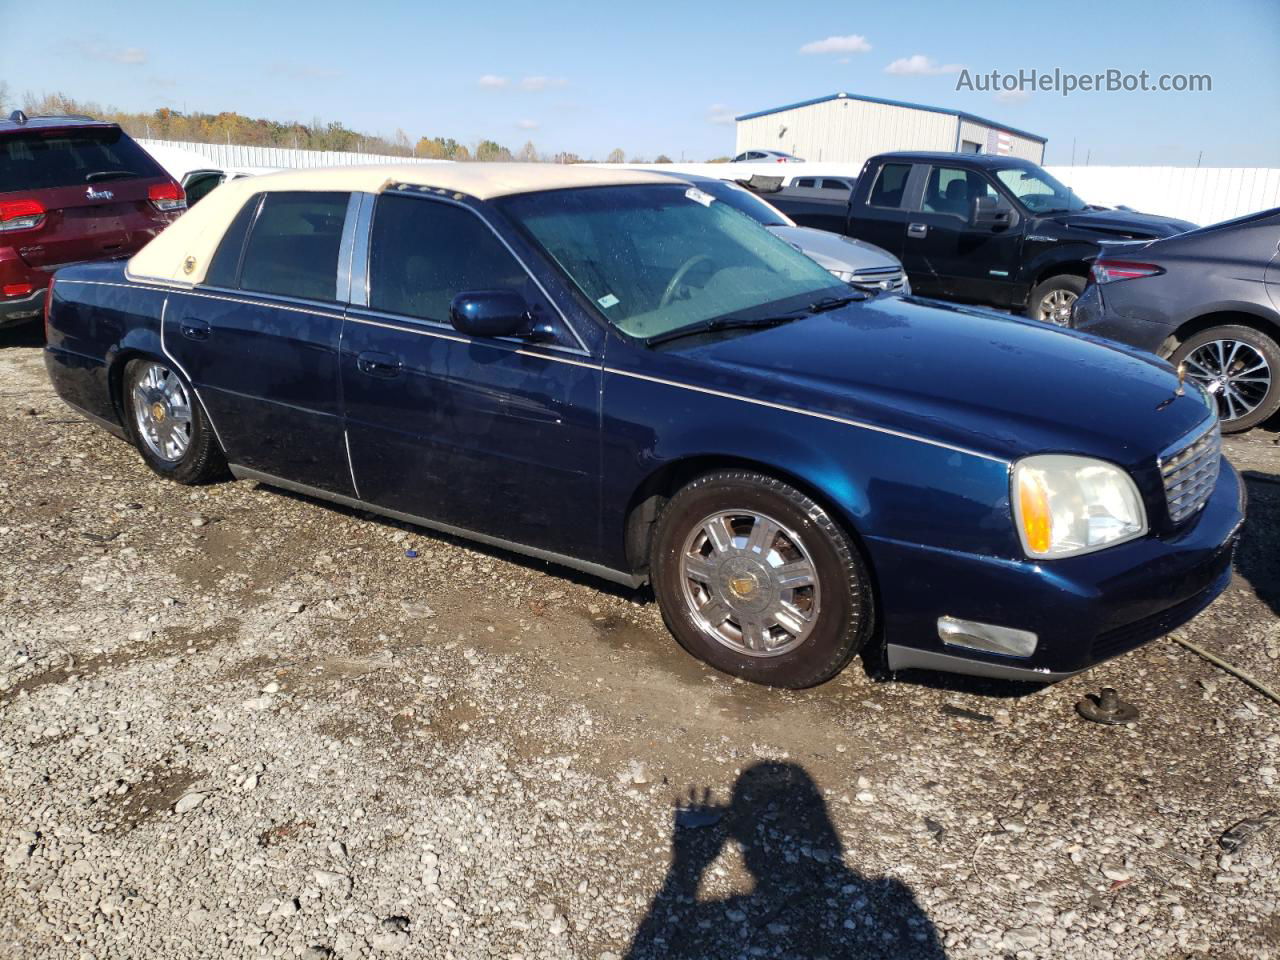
{"x": 1125, "y": 223}
{"x": 975, "y": 379}
{"x": 834, "y": 251}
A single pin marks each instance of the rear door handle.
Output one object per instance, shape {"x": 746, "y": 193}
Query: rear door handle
{"x": 382, "y": 365}
{"x": 194, "y": 329}
{"x": 917, "y": 230}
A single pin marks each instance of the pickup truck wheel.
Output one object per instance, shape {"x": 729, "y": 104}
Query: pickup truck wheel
{"x": 1052, "y": 300}
{"x": 756, "y": 579}
{"x": 168, "y": 425}
{"x": 1240, "y": 367}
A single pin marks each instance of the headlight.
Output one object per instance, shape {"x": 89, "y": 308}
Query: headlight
{"x": 906, "y": 286}
{"x": 845, "y": 276}
{"x": 1065, "y": 505}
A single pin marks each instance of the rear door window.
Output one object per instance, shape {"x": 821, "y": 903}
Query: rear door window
{"x": 423, "y": 253}
{"x": 293, "y": 247}
{"x": 40, "y": 160}
{"x": 890, "y": 185}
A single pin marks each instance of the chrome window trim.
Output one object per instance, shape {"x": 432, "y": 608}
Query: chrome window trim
{"x": 358, "y": 294}
{"x": 445, "y": 331}
{"x": 324, "y": 308}
{"x": 342, "y": 288}
{"x": 435, "y": 198}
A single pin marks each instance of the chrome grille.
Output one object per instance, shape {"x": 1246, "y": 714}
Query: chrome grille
{"x": 873, "y": 279}
{"x": 1190, "y": 471}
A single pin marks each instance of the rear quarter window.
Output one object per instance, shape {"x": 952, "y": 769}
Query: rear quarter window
{"x": 293, "y": 246}
{"x": 43, "y": 159}
{"x": 890, "y": 185}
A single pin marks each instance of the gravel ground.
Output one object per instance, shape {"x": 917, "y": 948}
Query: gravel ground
{"x": 235, "y": 722}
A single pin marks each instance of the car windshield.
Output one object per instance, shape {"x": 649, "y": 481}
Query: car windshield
{"x": 1038, "y": 191}
{"x": 65, "y": 158}
{"x": 745, "y": 202}
{"x": 654, "y": 259}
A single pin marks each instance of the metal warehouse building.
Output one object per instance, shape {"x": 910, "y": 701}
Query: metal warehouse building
{"x": 848, "y": 128}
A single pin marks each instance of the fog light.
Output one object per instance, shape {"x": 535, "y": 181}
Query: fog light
{"x": 986, "y": 637}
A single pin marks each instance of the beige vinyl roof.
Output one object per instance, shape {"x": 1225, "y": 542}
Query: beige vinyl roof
{"x": 181, "y": 254}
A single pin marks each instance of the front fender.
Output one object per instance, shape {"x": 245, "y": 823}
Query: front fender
{"x": 882, "y": 485}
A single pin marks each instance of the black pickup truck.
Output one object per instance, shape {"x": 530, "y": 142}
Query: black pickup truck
{"x": 977, "y": 228}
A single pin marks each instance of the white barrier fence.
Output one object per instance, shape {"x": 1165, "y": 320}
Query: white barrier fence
{"x": 224, "y": 155}
{"x": 1202, "y": 195}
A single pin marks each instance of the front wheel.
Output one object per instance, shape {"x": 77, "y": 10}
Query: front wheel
{"x": 756, "y": 579}
{"x": 1052, "y": 300}
{"x": 167, "y": 424}
{"x": 1239, "y": 366}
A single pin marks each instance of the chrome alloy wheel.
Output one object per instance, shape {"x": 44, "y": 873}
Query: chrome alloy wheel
{"x": 1055, "y": 307}
{"x": 162, "y": 412}
{"x": 750, "y": 583}
{"x": 1234, "y": 373}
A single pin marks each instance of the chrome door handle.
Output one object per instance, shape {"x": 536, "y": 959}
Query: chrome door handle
{"x": 194, "y": 329}
{"x": 378, "y": 365}
{"x": 918, "y": 230}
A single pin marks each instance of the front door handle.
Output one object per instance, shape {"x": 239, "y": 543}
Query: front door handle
{"x": 382, "y": 365}
{"x": 194, "y": 329}
{"x": 917, "y": 230}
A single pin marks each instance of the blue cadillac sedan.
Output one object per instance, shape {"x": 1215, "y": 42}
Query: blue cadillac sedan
{"x": 615, "y": 372}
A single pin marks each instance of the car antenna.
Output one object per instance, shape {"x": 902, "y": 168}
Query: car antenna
{"x": 18, "y": 117}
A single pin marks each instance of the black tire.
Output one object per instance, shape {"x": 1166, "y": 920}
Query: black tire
{"x": 844, "y": 618}
{"x": 201, "y": 461}
{"x": 1067, "y": 286}
{"x": 1262, "y": 346}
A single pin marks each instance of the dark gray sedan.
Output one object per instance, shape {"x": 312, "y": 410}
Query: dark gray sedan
{"x": 1209, "y": 299}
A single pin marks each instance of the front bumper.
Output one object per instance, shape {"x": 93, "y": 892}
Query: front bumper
{"x": 1084, "y": 610}
{"x": 15, "y": 310}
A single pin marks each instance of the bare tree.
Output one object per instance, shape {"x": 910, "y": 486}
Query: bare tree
{"x": 4, "y": 97}
{"x": 616, "y": 156}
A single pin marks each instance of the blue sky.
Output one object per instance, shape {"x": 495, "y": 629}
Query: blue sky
{"x": 666, "y": 77}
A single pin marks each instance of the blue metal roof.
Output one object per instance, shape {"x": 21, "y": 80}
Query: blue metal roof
{"x": 972, "y": 118}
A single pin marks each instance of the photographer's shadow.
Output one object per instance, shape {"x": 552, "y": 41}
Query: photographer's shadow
{"x": 805, "y": 902}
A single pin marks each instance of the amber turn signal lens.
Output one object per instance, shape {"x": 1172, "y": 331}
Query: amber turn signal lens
{"x": 1033, "y": 503}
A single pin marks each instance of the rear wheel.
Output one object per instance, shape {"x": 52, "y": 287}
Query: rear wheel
{"x": 1052, "y": 300}
{"x": 1240, "y": 367}
{"x": 167, "y": 424}
{"x": 756, "y": 579}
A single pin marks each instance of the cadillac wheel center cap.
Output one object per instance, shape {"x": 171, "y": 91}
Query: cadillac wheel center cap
{"x": 158, "y": 412}
{"x": 743, "y": 586}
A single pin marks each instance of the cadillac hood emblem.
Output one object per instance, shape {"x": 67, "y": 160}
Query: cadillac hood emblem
{"x": 1182, "y": 378}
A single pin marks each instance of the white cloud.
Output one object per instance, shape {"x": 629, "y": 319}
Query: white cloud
{"x": 527, "y": 124}
{"x": 492, "y": 81}
{"x": 921, "y": 66}
{"x": 720, "y": 115}
{"x": 853, "y": 43}
{"x": 1013, "y": 96}
{"x": 542, "y": 83}
{"x": 129, "y": 56}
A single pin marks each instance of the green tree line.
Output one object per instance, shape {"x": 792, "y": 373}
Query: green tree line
{"x": 231, "y": 127}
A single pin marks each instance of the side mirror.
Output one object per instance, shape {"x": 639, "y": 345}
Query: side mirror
{"x": 491, "y": 313}
{"x": 990, "y": 213}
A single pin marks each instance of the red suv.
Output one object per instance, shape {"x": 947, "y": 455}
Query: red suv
{"x": 72, "y": 190}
